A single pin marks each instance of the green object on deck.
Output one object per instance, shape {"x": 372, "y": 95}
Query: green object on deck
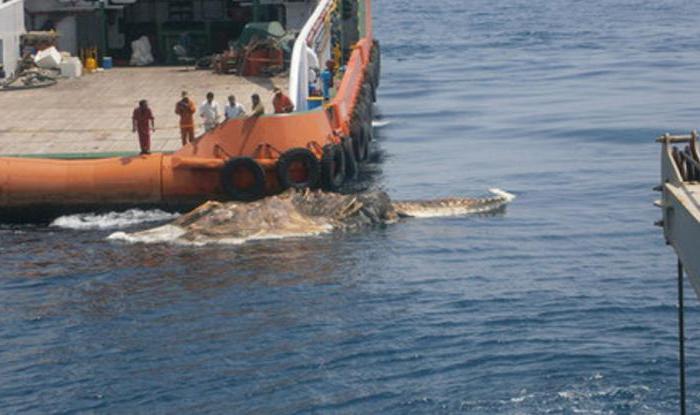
{"x": 77, "y": 156}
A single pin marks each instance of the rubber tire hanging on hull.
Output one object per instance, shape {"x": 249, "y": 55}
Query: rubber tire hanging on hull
{"x": 310, "y": 162}
{"x": 362, "y": 115}
{"x": 229, "y": 185}
{"x": 367, "y": 117}
{"x": 376, "y": 60}
{"x": 351, "y": 167}
{"x": 357, "y": 120}
{"x": 332, "y": 167}
{"x": 366, "y": 94}
{"x": 367, "y": 137}
{"x": 369, "y": 134}
{"x": 367, "y": 100}
{"x": 360, "y": 142}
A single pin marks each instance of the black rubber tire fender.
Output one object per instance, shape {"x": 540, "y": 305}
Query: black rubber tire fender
{"x": 308, "y": 159}
{"x": 357, "y": 120}
{"x": 377, "y": 63}
{"x": 359, "y": 141}
{"x": 366, "y": 92}
{"x": 362, "y": 114}
{"x": 369, "y": 113}
{"x": 332, "y": 167}
{"x": 372, "y": 68}
{"x": 358, "y": 115}
{"x": 369, "y": 133}
{"x": 367, "y": 137}
{"x": 233, "y": 166}
{"x": 368, "y": 99}
{"x": 351, "y": 168}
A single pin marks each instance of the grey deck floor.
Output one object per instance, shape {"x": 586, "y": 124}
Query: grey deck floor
{"x": 93, "y": 113}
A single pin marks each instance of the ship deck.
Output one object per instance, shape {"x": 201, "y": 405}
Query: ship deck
{"x": 92, "y": 114}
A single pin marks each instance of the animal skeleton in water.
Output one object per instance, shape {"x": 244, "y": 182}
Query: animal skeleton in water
{"x": 303, "y": 213}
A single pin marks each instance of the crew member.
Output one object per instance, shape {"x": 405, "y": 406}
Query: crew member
{"x": 140, "y": 121}
{"x": 258, "y": 108}
{"x": 209, "y": 111}
{"x": 233, "y": 109}
{"x": 327, "y": 79}
{"x": 281, "y": 102}
{"x": 185, "y": 108}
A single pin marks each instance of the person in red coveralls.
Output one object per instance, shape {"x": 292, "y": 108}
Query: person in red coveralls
{"x": 140, "y": 123}
{"x": 281, "y": 102}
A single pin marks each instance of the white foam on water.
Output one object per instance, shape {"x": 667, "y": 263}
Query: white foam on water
{"x": 509, "y": 197}
{"x": 380, "y": 123}
{"x": 173, "y": 234}
{"x": 165, "y": 233}
{"x": 111, "y": 220}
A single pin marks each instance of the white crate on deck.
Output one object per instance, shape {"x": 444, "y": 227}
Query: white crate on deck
{"x": 71, "y": 67}
{"x": 48, "y": 58}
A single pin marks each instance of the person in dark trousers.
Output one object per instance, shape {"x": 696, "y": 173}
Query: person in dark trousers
{"x": 142, "y": 122}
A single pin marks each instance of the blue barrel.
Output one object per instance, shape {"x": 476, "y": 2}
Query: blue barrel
{"x": 107, "y": 62}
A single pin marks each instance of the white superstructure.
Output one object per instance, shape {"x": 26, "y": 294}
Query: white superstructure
{"x": 311, "y": 49}
{"x": 11, "y": 28}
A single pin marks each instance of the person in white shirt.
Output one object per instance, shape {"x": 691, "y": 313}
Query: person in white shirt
{"x": 209, "y": 111}
{"x": 314, "y": 65}
{"x": 233, "y": 109}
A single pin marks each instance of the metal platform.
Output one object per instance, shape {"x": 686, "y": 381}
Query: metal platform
{"x": 680, "y": 202}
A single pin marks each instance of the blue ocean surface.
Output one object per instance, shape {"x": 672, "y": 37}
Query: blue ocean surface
{"x": 563, "y": 304}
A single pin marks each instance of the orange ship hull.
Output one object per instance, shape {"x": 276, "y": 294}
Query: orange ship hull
{"x": 239, "y": 160}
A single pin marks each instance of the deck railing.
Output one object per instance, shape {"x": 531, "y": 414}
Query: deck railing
{"x": 687, "y": 159}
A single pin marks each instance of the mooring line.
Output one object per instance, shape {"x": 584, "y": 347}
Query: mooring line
{"x": 681, "y": 337}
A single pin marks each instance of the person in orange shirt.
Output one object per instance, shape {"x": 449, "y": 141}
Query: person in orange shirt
{"x": 185, "y": 108}
{"x": 281, "y": 102}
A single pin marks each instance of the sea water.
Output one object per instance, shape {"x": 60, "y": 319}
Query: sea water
{"x": 565, "y": 303}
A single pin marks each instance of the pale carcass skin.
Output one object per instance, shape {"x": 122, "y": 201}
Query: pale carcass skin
{"x": 303, "y": 213}
{"x": 453, "y": 206}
